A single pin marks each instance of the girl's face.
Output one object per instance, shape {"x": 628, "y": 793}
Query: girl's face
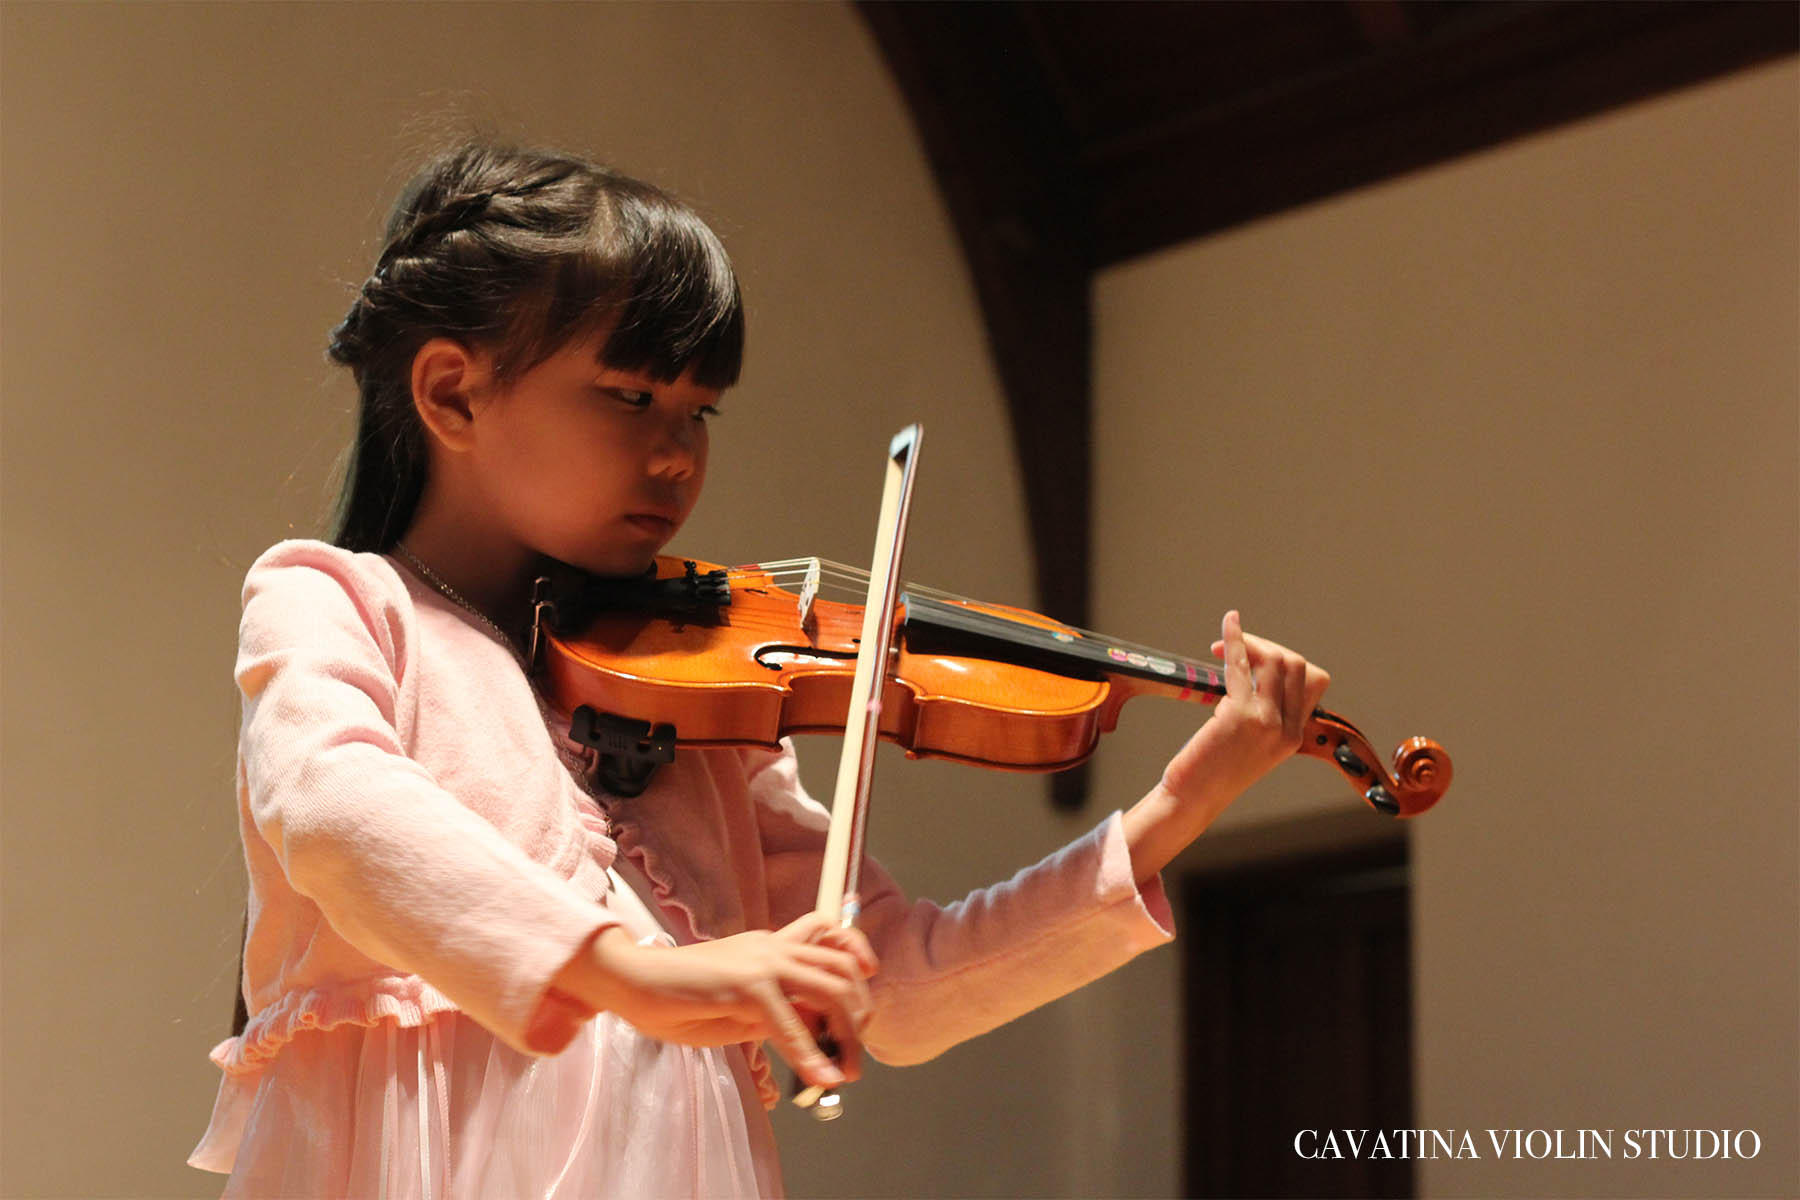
{"x": 592, "y": 465}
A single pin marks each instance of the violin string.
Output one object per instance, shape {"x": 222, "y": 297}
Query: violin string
{"x": 849, "y": 577}
{"x": 825, "y": 575}
{"x": 852, "y": 582}
{"x": 855, "y": 576}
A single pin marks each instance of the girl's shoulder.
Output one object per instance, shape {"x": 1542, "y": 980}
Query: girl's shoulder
{"x": 302, "y": 587}
{"x": 308, "y": 563}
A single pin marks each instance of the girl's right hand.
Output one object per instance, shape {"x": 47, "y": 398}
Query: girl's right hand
{"x": 744, "y": 988}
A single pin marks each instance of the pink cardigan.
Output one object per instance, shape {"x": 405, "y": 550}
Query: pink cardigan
{"x": 415, "y": 843}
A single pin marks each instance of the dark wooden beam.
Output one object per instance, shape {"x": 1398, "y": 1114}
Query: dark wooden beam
{"x": 1479, "y": 77}
{"x": 977, "y": 96}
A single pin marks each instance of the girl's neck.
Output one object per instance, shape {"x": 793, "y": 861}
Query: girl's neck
{"x": 488, "y": 570}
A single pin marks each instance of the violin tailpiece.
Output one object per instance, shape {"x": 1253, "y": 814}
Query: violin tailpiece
{"x": 576, "y": 599}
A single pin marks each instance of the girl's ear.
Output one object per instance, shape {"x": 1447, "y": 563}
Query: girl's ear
{"x": 447, "y": 383}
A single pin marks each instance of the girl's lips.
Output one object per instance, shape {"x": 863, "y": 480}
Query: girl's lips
{"x": 651, "y": 524}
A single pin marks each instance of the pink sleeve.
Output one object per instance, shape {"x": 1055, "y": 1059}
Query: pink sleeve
{"x": 403, "y": 872}
{"x": 950, "y": 973}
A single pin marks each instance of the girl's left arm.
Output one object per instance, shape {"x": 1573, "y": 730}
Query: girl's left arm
{"x": 952, "y": 972}
{"x": 1270, "y": 692}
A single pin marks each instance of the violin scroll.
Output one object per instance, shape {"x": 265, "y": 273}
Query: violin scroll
{"x": 1423, "y": 769}
{"x": 1420, "y": 777}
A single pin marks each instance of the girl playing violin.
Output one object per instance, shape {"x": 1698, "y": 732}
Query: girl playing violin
{"x": 466, "y": 970}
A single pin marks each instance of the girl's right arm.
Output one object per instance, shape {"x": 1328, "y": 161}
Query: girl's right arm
{"x": 402, "y": 872}
{"x": 745, "y": 988}
{"x": 412, "y": 878}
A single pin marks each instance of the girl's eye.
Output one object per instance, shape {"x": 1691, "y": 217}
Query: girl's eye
{"x": 639, "y": 398}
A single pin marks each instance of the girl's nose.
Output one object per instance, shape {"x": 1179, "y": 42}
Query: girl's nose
{"x": 676, "y": 452}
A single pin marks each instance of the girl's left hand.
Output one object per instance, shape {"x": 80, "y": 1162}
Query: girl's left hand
{"x": 1270, "y": 694}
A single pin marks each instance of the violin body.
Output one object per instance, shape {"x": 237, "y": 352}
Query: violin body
{"x": 988, "y": 685}
{"x": 754, "y": 674}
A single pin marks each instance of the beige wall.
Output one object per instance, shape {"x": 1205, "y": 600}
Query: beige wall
{"x": 190, "y": 194}
{"x": 1511, "y": 446}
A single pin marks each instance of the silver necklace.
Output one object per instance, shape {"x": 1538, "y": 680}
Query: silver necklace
{"x": 451, "y": 594}
{"x": 579, "y": 765}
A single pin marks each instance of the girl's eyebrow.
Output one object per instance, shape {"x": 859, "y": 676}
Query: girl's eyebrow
{"x": 635, "y": 373}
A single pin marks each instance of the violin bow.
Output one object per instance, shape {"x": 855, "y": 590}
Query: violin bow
{"x": 840, "y": 874}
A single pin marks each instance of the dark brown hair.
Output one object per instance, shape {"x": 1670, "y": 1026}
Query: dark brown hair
{"x": 518, "y": 252}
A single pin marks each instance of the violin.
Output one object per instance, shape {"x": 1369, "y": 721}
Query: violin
{"x": 694, "y": 654}
{"x": 699, "y": 655}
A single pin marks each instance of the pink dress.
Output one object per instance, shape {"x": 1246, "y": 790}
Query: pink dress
{"x": 423, "y": 862}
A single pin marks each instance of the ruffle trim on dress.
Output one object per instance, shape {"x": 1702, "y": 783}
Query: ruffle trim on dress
{"x": 408, "y": 1001}
{"x": 762, "y": 1075}
{"x": 598, "y": 852}
{"x": 631, "y": 844}
{"x": 601, "y": 847}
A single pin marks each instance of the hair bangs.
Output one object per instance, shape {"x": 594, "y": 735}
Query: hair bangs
{"x": 682, "y": 310}
{"x": 648, "y": 267}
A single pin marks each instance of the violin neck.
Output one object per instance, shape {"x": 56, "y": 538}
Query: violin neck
{"x": 937, "y": 627}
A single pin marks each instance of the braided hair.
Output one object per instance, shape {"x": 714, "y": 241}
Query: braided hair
{"x": 520, "y": 252}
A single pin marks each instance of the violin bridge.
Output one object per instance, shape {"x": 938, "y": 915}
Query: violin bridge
{"x": 809, "y": 591}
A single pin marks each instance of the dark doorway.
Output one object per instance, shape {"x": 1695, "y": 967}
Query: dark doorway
{"x": 1297, "y": 979}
